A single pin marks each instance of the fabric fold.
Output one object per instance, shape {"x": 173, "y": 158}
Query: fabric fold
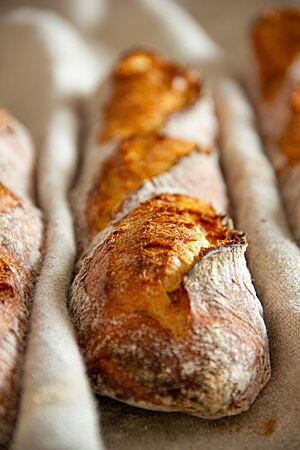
{"x": 57, "y": 409}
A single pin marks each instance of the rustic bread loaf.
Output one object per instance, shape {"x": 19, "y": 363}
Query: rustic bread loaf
{"x": 163, "y": 304}
{"x": 274, "y": 81}
{"x": 20, "y": 255}
{"x": 145, "y": 118}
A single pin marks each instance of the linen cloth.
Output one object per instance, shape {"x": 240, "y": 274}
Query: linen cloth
{"x": 110, "y": 27}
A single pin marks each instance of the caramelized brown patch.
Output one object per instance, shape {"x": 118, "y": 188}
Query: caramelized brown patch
{"x": 289, "y": 141}
{"x": 276, "y": 39}
{"x": 146, "y": 90}
{"x": 140, "y": 266}
{"x": 135, "y": 160}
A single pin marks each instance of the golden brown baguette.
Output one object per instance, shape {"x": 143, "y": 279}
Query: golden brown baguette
{"x": 275, "y": 86}
{"x": 20, "y": 254}
{"x": 163, "y": 304}
{"x": 124, "y": 148}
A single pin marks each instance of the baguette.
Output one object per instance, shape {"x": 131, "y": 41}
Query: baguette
{"x": 20, "y": 254}
{"x": 148, "y": 110}
{"x": 163, "y": 304}
{"x": 274, "y": 83}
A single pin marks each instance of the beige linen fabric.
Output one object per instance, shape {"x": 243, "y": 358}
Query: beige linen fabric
{"x": 57, "y": 409}
{"x": 272, "y": 422}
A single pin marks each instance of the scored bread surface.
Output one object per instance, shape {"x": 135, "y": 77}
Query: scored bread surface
{"x": 163, "y": 304}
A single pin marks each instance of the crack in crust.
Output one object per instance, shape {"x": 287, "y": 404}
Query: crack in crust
{"x": 146, "y": 90}
{"x": 135, "y": 160}
{"x": 161, "y": 240}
